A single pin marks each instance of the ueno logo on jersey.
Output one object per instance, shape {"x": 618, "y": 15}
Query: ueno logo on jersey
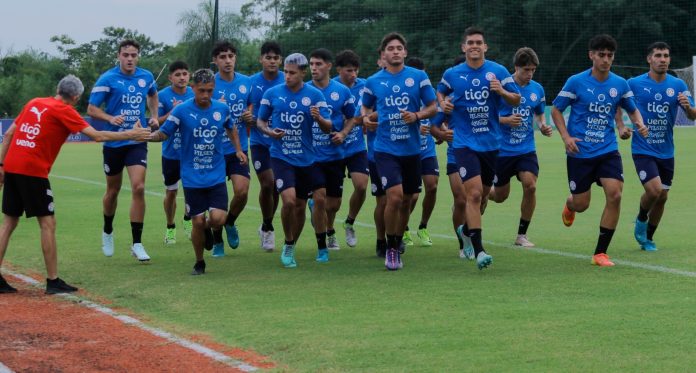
{"x": 133, "y": 100}
{"x": 295, "y": 120}
{"x": 600, "y": 108}
{"x": 660, "y": 109}
{"x": 480, "y": 96}
{"x": 398, "y": 101}
{"x": 207, "y": 134}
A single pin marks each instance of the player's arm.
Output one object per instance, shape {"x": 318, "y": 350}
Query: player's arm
{"x": 233, "y": 135}
{"x": 511, "y": 98}
{"x": 341, "y": 135}
{"x": 153, "y": 105}
{"x": 445, "y": 102}
{"x": 513, "y": 120}
{"x": 689, "y": 109}
{"x": 98, "y": 113}
{"x": 544, "y": 128}
{"x": 637, "y": 120}
{"x": 138, "y": 133}
{"x": 262, "y": 126}
{"x": 560, "y": 123}
{"x": 6, "y": 141}
{"x": 624, "y": 132}
{"x": 324, "y": 123}
{"x": 442, "y": 133}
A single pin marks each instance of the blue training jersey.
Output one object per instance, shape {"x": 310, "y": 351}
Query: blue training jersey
{"x": 388, "y": 94}
{"x": 202, "y": 132}
{"x": 520, "y": 140}
{"x": 236, "y": 94}
{"x": 658, "y": 104}
{"x": 592, "y": 108}
{"x": 341, "y": 107}
{"x": 476, "y": 108}
{"x": 167, "y": 100}
{"x": 123, "y": 95}
{"x": 290, "y": 111}
{"x": 259, "y": 85}
{"x": 355, "y": 141}
{"x": 437, "y": 121}
{"x": 427, "y": 143}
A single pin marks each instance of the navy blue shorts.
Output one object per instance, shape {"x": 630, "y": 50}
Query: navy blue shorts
{"x": 649, "y": 167}
{"x": 429, "y": 166}
{"x": 233, "y": 167}
{"x": 333, "y": 172}
{"x": 27, "y": 194}
{"x": 452, "y": 169}
{"x": 261, "y": 156}
{"x": 377, "y": 189}
{"x": 471, "y": 163}
{"x": 305, "y": 180}
{"x": 507, "y": 167}
{"x": 399, "y": 170}
{"x": 200, "y": 200}
{"x": 171, "y": 171}
{"x": 582, "y": 172}
{"x": 358, "y": 163}
{"x": 123, "y": 156}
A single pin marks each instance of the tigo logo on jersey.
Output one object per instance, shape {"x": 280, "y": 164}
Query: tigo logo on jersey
{"x": 295, "y": 120}
{"x": 398, "y": 101}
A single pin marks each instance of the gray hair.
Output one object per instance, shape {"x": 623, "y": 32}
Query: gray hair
{"x": 70, "y": 86}
{"x": 297, "y": 59}
{"x": 203, "y": 76}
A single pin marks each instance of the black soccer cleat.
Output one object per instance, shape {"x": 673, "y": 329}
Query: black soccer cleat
{"x": 198, "y": 268}
{"x": 58, "y": 286}
{"x": 5, "y": 288}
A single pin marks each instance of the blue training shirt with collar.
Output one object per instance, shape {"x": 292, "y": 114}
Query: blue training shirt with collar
{"x": 125, "y": 95}
{"x": 167, "y": 98}
{"x": 592, "y": 108}
{"x": 520, "y": 140}
{"x": 236, "y": 95}
{"x": 259, "y": 85}
{"x": 341, "y": 107}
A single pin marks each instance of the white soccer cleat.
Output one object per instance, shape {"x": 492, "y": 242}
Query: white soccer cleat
{"x": 138, "y": 251}
{"x": 351, "y": 238}
{"x": 332, "y": 243}
{"x": 523, "y": 241}
{"x": 108, "y": 244}
{"x": 267, "y": 240}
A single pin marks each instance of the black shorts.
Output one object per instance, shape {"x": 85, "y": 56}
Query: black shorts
{"x": 29, "y": 194}
{"x": 261, "y": 156}
{"x": 305, "y": 180}
{"x": 649, "y": 167}
{"x": 358, "y": 163}
{"x": 334, "y": 172}
{"x": 123, "y": 156}
{"x": 171, "y": 171}
{"x": 507, "y": 167}
{"x": 399, "y": 170}
{"x": 429, "y": 166}
{"x": 200, "y": 200}
{"x": 472, "y": 163}
{"x": 234, "y": 167}
{"x": 375, "y": 180}
{"x": 582, "y": 172}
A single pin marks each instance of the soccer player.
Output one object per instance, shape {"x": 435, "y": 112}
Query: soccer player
{"x": 294, "y": 107}
{"x": 592, "y": 151}
{"x": 396, "y": 93}
{"x": 29, "y": 149}
{"x": 658, "y": 96}
{"x": 126, "y": 91}
{"x": 517, "y": 156}
{"x": 269, "y": 76}
{"x": 478, "y": 88}
{"x": 169, "y": 97}
{"x": 329, "y": 147}
{"x": 202, "y": 123}
{"x": 233, "y": 88}
{"x": 355, "y": 151}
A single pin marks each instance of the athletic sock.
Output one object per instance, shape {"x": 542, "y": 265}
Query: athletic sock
{"x": 171, "y": 226}
{"x": 217, "y": 235}
{"x": 642, "y": 214}
{"x": 422, "y": 226}
{"x": 331, "y": 232}
{"x": 321, "y": 240}
{"x": 476, "y": 237}
{"x": 267, "y": 225}
{"x": 407, "y": 229}
{"x": 137, "y": 232}
{"x": 108, "y": 224}
{"x": 651, "y": 231}
{"x": 391, "y": 241}
{"x": 186, "y": 217}
{"x": 289, "y": 243}
{"x": 231, "y": 219}
{"x": 524, "y": 224}
{"x": 461, "y": 242}
{"x": 605, "y": 235}
{"x": 465, "y": 230}
{"x": 350, "y": 220}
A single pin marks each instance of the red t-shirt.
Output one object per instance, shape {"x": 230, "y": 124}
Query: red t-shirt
{"x": 42, "y": 127}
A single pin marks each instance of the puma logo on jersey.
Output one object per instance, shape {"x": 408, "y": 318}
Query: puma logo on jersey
{"x": 121, "y": 82}
{"x": 282, "y": 98}
{"x": 647, "y": 89}
{"x": 465, "y": 77}
{"x": 591, "y": 91}
{"x": 37, "y": 112}
{"x": 384, "y": 84}
{"x": 194, "y": 116}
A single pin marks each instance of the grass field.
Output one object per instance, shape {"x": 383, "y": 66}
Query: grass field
{"x": 533, "y": 310}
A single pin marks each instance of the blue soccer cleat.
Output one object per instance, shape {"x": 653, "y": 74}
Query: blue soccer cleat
{"x": 232, "y": 236}
{"x": 483, "y": 260}
{"x": 323, "y": 255}
{"x": 649, "y": 245}
{"x": 468, "y": 251}
{"x": 218, "y": 250}
{"x": 640, "y": 232}
{"x": 287, "y": 256}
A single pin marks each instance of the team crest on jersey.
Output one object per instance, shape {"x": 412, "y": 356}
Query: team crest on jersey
{"x": 490, "y": 76}
{"x": 613, "y": 93}
{"x": 217, "y": 116}
{"x": 306, "y": 101}
{"x": 334, "y": 96}
{"x": 533, "y": 96}
{"x": 142, "y": 83}
{"x": 293, "y": 105}
{"x": 131, "y": 88}
{"x": 670, "y": 92}
{"x": 204, "y": 121}
{"x": 476, "y": 82}
{"x": 658, "y": 96}
{"x": 409, "y": 82}
{"x": 242, "y": 89}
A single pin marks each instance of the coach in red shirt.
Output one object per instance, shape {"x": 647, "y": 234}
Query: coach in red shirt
{"x": 29, "y": 149}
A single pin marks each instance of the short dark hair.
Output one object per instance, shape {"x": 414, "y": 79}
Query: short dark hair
{"x": 178, "y": 65}
{"x": 128, "y": 43}
{"x": 270, "y": 46}
{"x": 347, "y": 58}
{"x": 459, "y": 59}
{"x": 389, "y": 37}
{"x": 323, "y": 54}
{"x": 416, "y": 63}
{"x": 203, "y": 76}
{"x": 525, "y": 56}
{"x": 223, "y": 46}
{"x": 473, "y": 30}
{"x": 602, "y": 42}
{"x": 658, "y": 45}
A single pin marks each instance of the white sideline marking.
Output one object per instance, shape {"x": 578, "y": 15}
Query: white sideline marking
{"x": 5, "y": 369}
{"x": 128, "y": 320}
{"x": 628, "y": 263}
